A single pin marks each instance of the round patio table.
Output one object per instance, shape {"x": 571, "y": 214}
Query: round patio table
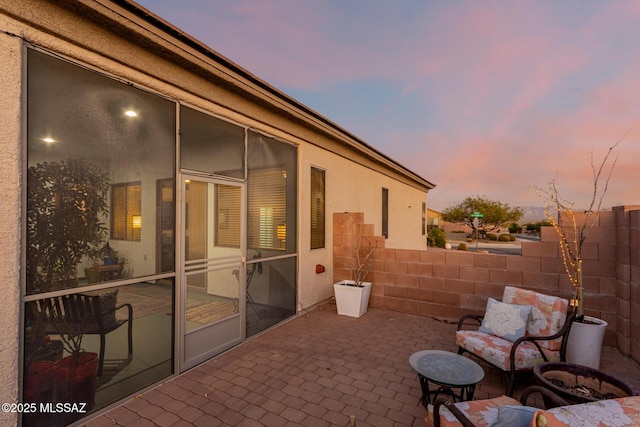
{"x": 448, "y": 371}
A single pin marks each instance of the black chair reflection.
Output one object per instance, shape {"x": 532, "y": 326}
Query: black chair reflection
{"x": 78, "y": 314}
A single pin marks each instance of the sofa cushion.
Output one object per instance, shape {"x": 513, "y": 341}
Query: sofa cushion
{"x": 496, "y": 350}
{"x": 508, "y": 321}
{"x": 548, "y": 313}
{"x": 514, "y": 416}
{"x": 624, "y": 411}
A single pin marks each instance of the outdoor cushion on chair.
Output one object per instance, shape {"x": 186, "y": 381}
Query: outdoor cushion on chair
{"x": 508, "y": 321}
{"x": 620, "y": 412}
{"x": 624, "y": 411}
{"x": 497, "y": 412}
{"x": 496, "y": 350}
{"x": 480, "y": 412}
{"x": 547, "y": 328}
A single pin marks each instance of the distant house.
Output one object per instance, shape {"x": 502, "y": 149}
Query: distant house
{"x": 216, "y": 196}
{"x": 433, "y": 218}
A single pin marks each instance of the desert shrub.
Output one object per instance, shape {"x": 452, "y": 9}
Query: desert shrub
{"x": 436, "y": 237}
{"x": 512, "y": 237}
{"x": 535, "y": 227}
{"x": 514, "y": 227}
{"x": 469, "y": 240}
{"x": 458, "y": 231}
{"x": 504, "y": 238}
{"x": 462, "y": 246}
{"x": 492, "y": 236}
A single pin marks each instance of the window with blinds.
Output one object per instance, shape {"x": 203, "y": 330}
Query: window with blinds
{"x": 126, "y": 211}
{"x": 267, "y": 209}
{"x": 424, "y": 218}
{"x": 228, "y": 216}
{"x": 385, "y": 213}
{"x": 317, "y": 209}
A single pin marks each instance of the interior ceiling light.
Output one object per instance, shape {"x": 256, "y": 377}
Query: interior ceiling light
{"x": 131, "y": 113}
{"x": 48, "y": 140}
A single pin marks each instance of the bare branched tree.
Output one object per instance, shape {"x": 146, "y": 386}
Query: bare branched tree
{"x": 364, "y": 249}
{"x": 572, "y": 232}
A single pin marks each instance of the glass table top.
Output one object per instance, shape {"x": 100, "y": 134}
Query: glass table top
{"x": 446, "y": 368}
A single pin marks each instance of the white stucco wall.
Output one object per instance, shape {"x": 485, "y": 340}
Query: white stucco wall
{"x": 350, "y": 187}
{"x": 10, "y": 205}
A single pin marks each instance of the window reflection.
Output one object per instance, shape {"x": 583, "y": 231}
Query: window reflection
{"x": 271, "y": 293}
{"x": 100, "y": 208}
{"x": 126, "y": 211}
{"x": 272, "y": 216}
{"x": 99, "y": 151}
{"x": 65, "y": 360}
{"x": 211, "y": 145}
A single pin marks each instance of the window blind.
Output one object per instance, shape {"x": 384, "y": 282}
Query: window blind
{"x": 317, "y": 208}
{"x": 267, "y": 209}
{"x": 228, "y": 216}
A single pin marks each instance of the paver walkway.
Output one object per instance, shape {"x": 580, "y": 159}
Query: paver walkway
{"x": 315, "y": 370}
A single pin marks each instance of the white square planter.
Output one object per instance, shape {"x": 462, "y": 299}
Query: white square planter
{"x": 351, "y": 301}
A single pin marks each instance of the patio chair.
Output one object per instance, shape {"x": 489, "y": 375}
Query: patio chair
{"x": 506, "y": 411}
{"x": 503, "y": 410}
{"x": 79, "y": 314}
{"x": 525, "y": 329}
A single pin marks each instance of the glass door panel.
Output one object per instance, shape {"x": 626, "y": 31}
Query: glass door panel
{"x": 213, "y": 300}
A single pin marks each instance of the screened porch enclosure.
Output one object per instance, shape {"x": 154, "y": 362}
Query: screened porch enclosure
{"x": 103, "y": 220}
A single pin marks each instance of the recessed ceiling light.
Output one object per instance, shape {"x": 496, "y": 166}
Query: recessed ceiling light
{"x": 48, "y": 140}
{"x": 131, "y": 113}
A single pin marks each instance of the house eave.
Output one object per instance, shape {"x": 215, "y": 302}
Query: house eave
{"x": 253, "y": 86}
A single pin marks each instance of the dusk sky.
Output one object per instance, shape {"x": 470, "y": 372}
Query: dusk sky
{"x": 479, "y": 97}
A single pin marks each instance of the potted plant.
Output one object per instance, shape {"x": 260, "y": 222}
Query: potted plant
{"x": 40, "y": 355}
{"x": 66, "y": 204}
{"x": 352, "y": 296}
{"x": 102, "y": 257}
{"x": 51, "y": 378}
{"x": 78, "y": 372}
{"x": 587, "y": 333}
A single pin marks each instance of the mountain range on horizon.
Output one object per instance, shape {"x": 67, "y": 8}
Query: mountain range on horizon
{"x": 536, "y": 213}
{"x": 532, "y": 214}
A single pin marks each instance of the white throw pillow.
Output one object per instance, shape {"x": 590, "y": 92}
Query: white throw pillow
{"x": 508, "y": 321}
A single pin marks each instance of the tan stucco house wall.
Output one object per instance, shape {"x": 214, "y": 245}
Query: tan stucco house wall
{"x": 122, "y": 40}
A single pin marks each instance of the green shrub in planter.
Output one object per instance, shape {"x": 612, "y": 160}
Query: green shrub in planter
{"x": 492, "y": 236}
{"x": 512, "y": 237}
{"x": 504, "y": 238}
{"x": 462, "y": 247}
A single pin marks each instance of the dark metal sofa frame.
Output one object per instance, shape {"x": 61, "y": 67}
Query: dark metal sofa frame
{"x": 550, "y": 399}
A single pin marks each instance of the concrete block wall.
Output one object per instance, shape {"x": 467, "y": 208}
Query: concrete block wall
{"x": 627, "y": 282}
{"x": 633, "y": 294}
{"x": 446, "y": 284}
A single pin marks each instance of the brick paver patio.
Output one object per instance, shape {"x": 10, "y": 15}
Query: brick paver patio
{"x": 315, "y": 370}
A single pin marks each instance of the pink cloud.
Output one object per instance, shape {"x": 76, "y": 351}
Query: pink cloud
{"x": 522, "y": 91}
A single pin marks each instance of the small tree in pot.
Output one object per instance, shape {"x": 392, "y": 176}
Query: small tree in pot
{"x": 362, "y": 259}
{"x": 586, "y": 336}
{"x": 572, "y": 233}
{"x": 352, "y": 296}
{"x": 66, "y": 204}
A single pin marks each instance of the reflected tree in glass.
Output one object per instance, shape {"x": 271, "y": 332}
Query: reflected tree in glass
{"x": 66, "y": 204}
